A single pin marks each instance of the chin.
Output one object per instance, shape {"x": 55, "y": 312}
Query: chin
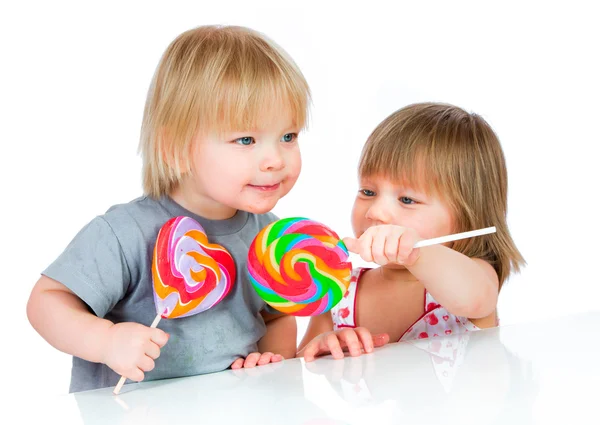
{"x": 260, "y": 209}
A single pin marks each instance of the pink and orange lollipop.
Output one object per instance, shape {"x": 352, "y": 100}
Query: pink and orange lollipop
{"x": 189, "y": 274}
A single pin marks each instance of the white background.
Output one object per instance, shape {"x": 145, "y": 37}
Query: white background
{"x": 73, "y": 84}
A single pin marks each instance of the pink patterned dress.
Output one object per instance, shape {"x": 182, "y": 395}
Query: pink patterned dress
{"x": 435, "y": 321}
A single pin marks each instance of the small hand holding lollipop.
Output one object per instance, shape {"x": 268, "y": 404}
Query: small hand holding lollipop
{"x": 190, "y": 275}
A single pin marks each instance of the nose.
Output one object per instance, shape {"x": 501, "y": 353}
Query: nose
{"x": 272, "y": 159}
{"x": 379, "y": 212}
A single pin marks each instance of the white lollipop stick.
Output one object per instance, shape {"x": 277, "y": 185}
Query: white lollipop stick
{"x": 455, "y": 237}
{"x": 443, "y": 239}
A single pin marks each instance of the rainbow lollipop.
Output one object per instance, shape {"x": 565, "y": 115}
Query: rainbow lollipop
{"x": 189, "y": 274}
{"x": 299, "y": 266}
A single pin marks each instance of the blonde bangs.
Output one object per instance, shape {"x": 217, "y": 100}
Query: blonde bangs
{"x": 403, "y": 167}
{"x": 245, "y": 100}
{"x": 213, "y": 80}
{"x": 404, "y": 151}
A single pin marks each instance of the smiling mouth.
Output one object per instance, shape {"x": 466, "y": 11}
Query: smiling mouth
{"x": 265, "y": 188}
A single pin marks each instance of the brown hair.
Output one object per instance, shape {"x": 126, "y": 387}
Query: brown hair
{"x": 442, "y": 149}
{"x": 212, "y": 79}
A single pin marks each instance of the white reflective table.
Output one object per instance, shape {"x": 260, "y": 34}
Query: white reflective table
{"x": 535, "y": 373}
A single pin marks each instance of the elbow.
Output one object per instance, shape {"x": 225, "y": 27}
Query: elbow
{"x": 476, "y": 305}
{"x": 483, "y": 305}
{"x": 31, "y": 310}
{"x": 34, "y": 308}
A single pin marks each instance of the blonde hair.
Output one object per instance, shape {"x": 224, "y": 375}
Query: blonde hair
{"x": 444, "y": 150}
{"x": 212, "y": 79}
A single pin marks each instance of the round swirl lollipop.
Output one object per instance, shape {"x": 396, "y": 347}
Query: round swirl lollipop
{"x": 189, "y": 274}
{"x": 299, "y": 266}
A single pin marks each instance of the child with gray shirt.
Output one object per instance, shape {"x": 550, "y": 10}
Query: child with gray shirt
{"x": 219, "y": 145}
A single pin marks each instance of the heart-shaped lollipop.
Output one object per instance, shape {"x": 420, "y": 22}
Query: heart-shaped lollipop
{"x": 299, "y": 266}
{"x": 189, "y": 274}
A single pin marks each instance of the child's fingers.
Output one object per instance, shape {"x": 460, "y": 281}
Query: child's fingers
{"x": 352, "y": 244}
{"x": 406, "y": 245}
{"x": 237, "y": 364}
{"x": 146, "y": 364}
{"x": 380, "y": 339}
{"x": 251, "y": 359}
{"x": 331, "y": 343}
{"x": 392, "y": 241}
{"x": 265, "y": 358}
{"x": 404, "y": 250}
{"x": 152, "y": 350}
{"x": 364, "y": 248}
{"x": 365, "y": 338}
{"x": 378, "y": 248}
{"x": 413, "y": 257}
{"x": 159, "y": 337}
{"x": 350, "y": 340}
{"x": 312, "y": 349}
{"x": 135, "y": 374}
{"x": 324, "y": 344}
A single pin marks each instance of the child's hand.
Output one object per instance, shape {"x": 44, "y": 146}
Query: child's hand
{"x": 131, "y": 349}
{"x": 386, "y": 244}
{"x": 334, "y": 342}
{"x": 256, "y": 359}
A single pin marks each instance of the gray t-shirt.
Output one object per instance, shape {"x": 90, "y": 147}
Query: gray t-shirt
{"x": 109, "y": 266}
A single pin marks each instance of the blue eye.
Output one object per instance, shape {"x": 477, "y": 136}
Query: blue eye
{"x": 289, "y": 137}
{"x": 367, "y": 192}
{"x": 245, "y": 141}
{"x": 406, "y": 200}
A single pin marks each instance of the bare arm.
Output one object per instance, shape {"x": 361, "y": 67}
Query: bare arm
{"x": 317, "y": 326}
{"x": 281, "y": 335}
{"x": 64, "y": 320}
{"x": 466, "y": 287}
{"x": 278, "y": 343}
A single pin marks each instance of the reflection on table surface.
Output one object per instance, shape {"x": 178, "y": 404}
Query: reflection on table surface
{"x": 522, "y": 374}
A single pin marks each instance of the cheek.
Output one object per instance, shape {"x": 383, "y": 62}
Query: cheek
{"x": 228, "y": 166}
{"x": 358, "y": 215}
{"x": 448, "y": 225}
{"x": 425, "y": 225}
{"x": 443, "y": 224}
{"x": 204, "y": 160}
{"x": 210, "y": 172}
{"x": 294, "y": 163}
{"x": 446, "y": 220}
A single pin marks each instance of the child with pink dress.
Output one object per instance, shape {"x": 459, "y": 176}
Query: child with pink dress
{"x": 428, "y": 170}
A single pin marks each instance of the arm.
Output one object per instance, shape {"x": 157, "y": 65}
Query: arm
{"x": 279, "y": 342}
{"x": 64, "y": 320}
{"x": 320, "y": 339}
{"x": 318, "y": 325}
{"x": 281, "y": 335}
{"x": 465, "y": 286}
